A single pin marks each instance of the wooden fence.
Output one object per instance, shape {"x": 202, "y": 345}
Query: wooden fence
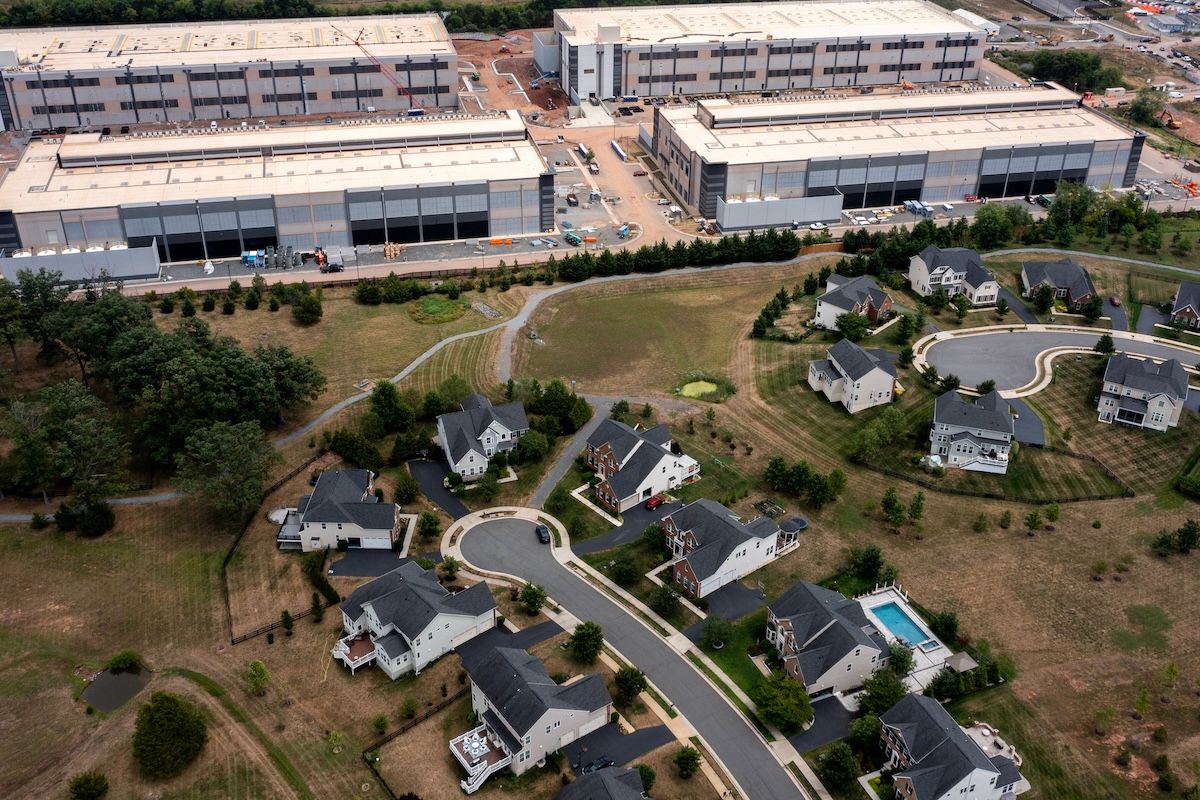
{"x": 371, "y": 751}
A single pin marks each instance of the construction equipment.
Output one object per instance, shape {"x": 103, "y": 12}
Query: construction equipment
{"x": 383, "y": 70}
{"x": 1191, "y": 187}
{"x": 1050, "y": 41}
{"x": 906, "y": 86}
{"x": 573, "y": 238}
{"x": 1167, "y": 120}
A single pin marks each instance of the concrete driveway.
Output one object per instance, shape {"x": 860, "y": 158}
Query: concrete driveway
{"x": 633, "y": 524}
{"x": 1009, "y": 357}
{"x": 508, "y": 545}
{"x": 429, "y": 475}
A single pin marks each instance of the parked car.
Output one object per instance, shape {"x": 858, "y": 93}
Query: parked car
{"x": 637, "y": 173}
{"x": 818, "y": 226}
{"x": 655, "y": 502}
{"x": 1116, "y": 301}
{"x": 543, "y": 534}
{"x": 662, "y": 201}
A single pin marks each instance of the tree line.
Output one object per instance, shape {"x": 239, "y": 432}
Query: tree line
{"x": 159, "y": 400}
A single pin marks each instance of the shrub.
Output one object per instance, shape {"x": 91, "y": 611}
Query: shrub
{"x": 189, "y": 308}
{"x": 313, "y": 567}
{"x": 664, "y": 600}
{"x": 687, "y": 762}
{"x": 96, "y": 519}
{"x": 1160, "y": 734}
{"x": 380, "y": 724}
{"x": 864, "y": 735}
{"x": 783, "y": 702}
{"x": 39, "y": 521}
{"x": 647, "y": 775}
{"x": 273, "y": 305}
{"x": 124, "y": 661}
{"x": 1006, "y": 520}
{"x": 209, "y": 303}
{"x": 586, "y": 642}
{"x": 409, "y": 709}
{"x": 166, "y": 306}
{"x": 1123, "y": 758}
{"x": 169, "y": 734}
{"x": 308, "y": 311}
{"x": 838, "y": 766}
{"x": 228, "y": 306}
{"x": 623, "y": 571}
{"x": 407, "y": 489}
{"x": 90, "y": 785}
{"x": 882, "y": 691}
{"x": 253, "y": 299}
{"x": 631, "y": 682}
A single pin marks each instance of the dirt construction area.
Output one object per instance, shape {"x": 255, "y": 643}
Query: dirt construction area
{"x": 506, "y": 72}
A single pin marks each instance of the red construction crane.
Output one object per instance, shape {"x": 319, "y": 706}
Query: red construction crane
{"x": 383, "y": 69}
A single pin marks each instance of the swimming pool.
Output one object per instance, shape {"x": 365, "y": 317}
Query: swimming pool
{"x": 902, "y": 626}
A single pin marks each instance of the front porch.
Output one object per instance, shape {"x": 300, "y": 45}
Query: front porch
{"x": 482, "y": 753}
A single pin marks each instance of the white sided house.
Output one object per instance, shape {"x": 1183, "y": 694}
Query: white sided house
{"x": 954, "y": 270}
{"x": 470, "y": 437}
{"x": 972, "y": 436}
{"x": 712, "y": 547}
{"x": 1143, "y": 394}
{"x": 524, "y": 715}
{"x": 825, "y": 640}
{"x": 935, "y": 759}
{"x": 853, "y": 377}
{"x": 844, "y": 295}
{"x": 404, "y": 620}
{"x": 634, "y": 465}
{"x": 341, "y": 508}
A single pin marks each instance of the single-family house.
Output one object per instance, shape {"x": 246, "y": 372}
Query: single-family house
{"x": 1187, "y": 302}
{"x": 404, "y": 620}
{"x": 712, "y": 547}
{"x": 954, "y": 270}
{"x": 825, "y": 640}
{"x": 610, "y": 783}
{"x": 973, "y": 436}
{"x": 1070, "y": 282}
{"x": 524, "y": 715}
{"x": 634, "y": 465}
{"x": 935, "y": 759}
{"x": 1141, "y": 393}
{"x": 341, "y": 508}
{"x": 470, "y": 437}
{"x": 853, "y": 377}
{"x": 843, "y": 295}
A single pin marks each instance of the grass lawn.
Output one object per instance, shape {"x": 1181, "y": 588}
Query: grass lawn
{"x": 639, "y": 323}
{"x": 644, "y": 560}
{"x": 437, "y": 309}
{"x": 733, "y": 658}
{"x": 1148, "y": 461}
{"x": 581, "y": 522}
{"x": 352, "y": 342}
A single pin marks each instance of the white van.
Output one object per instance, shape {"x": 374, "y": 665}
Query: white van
{"x": 947, "y": 206}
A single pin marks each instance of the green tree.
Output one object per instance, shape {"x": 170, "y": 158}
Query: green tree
{"x": 408, "y": 709}
{"x": 864, "y": 735}
{"x": 385, "y": 401}
{"x": 586, "y": 642}
{"x": 1002, "y": 307}
{"x": 11, "y": 329}
{"x": 901, "y": 659}
{"x": 295, "y": 378}
{"x": 315, "y": 608}
{"x": 881, "y": 691}
{"x": 257, "y": 678}
{"x": 1033, "y": 521}
{"x": 380, "y": 724}
{"x": 286, "y": 622}
{"x": 487, "y": 487}
{"x": 87, "y": 329}
{"x": 1052, "y": 512}
{"x": 992, "y": 227}
{"x": 428, "y": 526}
{"x": 893, "y": 509}
{"x": 224, "y": 466}
{"x": 1043, "y": 299}
{"x": 961, "y": 305}
{"x": 623, "y": 571}
{"x": 90, "y": 785}
{"x": 1141, "y": 705}
{"x": 949, "y": 383}
{"x": 782, "y": 701}
{"x": 664, "y": 601}
{"x": 169, "y": 734}
{"x": 450, "y": 567}
{"x": 647, "y": 775}
{"x": 655, "y": 537}
{"x": 41, "y": 295}
{"x": 852, "y": 326}
{"x": 716, "y": 631}
{"x": 1093, "y": 308}
{"x": 687, "y": 762}
{"x": 944, "y": 625}
{"x": 407, "y": 489}
{"x": 838, "y": 766}
{"x": 986, "y": 387}
{"x": 1105, "y": 344}
{"x": 533, "y": 597}
{"x": 867, "y": 562}
{"x": 631, "y": 682}
{"x": 1145, "y": 106}
{"x": 916, "y": 508}
{"x": 308, "y": 311}
{"x": 533, "y": 446}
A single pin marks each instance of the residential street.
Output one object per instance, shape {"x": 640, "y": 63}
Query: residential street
{"x": 1011, "y": 356}
{"x": 509, "y": 546}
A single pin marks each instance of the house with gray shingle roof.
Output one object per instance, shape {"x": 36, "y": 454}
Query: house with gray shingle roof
{"x": 954, "y": 270}
{"x": 341, "y": 508}
{"x": 470, "y": 437}
{"x": 635, "y": 464}
{"x": 1186, "y": 307}
{"x": 852, "y": 376}
{"x": 825, "y": 640}
{"x": 844, "y": 295}
{"x": 524, "y": 715}
{"x": 712, "y": 547}
{"x": 1070, "y": 281}
{"x": 972, "y": 436}
{"x": 1142, "y": 393}
{"x": 935, "y": 759}
{"x": 610, "y": 783}
{"x": 405, "y": 619}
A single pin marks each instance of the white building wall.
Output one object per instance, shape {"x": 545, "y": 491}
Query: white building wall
{"x": 849, "y": 673}
{"x": 873, "y": 389}
{"x": 753, "y": 553}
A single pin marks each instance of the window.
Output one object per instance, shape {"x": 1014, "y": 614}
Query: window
{"x": 847, "y": 48}
{"x": 60, "y": 83}
{"x": 144, "y": 104}
{"x": 903, "y": 45}
{"x": 783, "y": 49}
{"x": 907, "y": 67}
{"x": 125, "y": 80}
{"x": 845, "y": 70}
{"x": 734, "y": 52}
{"x": 82, "y": 108}
{"x": 668, "y": 54}
{"x": 970, "y": 41}
{"x": 350, "y": 69}
{"x": 227, "y": 75}
{"x": 232, "y": 100}
{"x": 346, "y": 94}
{"x": 289, "y": 97}
{"x": 953, "y": 64}
{"x": 286, "y": 72}
{"x": 788, "y": 73}
{"x": 732, "y": 76}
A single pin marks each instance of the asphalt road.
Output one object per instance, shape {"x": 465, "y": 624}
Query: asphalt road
{"x": 1009, "y": 357}
{"x": 1120, "y": 322}
{"x": 510, "y": 546}
{"x": 1017, "y": 306}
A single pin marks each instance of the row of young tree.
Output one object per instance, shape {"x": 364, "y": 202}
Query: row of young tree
{"x": 176, "y": 400}
{"x": 801, "y": 480}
